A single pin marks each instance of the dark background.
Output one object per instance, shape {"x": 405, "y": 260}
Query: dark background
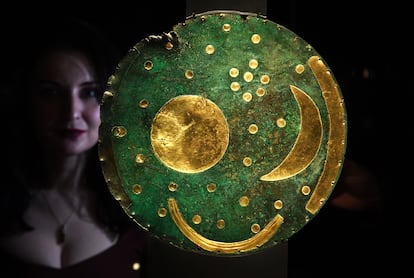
{"x": 366, "y": 45}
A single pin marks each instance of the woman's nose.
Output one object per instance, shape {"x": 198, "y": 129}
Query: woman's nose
{"x": 75, "y": 107}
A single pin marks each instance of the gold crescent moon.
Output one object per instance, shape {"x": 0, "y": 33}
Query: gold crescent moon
{"x": 307, "y": 143}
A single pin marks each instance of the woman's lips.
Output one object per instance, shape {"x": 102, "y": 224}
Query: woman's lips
{"x": 72, "y": 133}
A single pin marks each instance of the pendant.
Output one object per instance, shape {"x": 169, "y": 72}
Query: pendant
{"x": 61, "y": 234}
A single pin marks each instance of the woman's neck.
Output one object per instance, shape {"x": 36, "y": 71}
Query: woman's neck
{"x": 63, "y": 173}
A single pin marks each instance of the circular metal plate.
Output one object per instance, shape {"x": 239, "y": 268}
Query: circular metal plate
{"x": 224, "y": 136}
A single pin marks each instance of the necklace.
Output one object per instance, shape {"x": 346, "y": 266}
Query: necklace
{"x": 62, "y": 226}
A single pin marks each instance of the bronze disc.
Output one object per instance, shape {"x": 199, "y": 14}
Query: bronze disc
{"x": 224, "y": 136}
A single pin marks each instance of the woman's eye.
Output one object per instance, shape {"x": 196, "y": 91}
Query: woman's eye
{"x": 92, "y": 93}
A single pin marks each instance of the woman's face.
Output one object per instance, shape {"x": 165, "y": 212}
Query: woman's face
{"x": 65, "y": 103}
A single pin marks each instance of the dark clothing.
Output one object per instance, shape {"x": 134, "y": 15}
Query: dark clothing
{"x": 116, "y": 261}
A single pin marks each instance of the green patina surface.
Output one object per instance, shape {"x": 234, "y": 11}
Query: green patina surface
{"x": 278, "y": 53}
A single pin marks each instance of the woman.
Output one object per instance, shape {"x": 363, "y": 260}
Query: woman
{"x": 58, "y": 216}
